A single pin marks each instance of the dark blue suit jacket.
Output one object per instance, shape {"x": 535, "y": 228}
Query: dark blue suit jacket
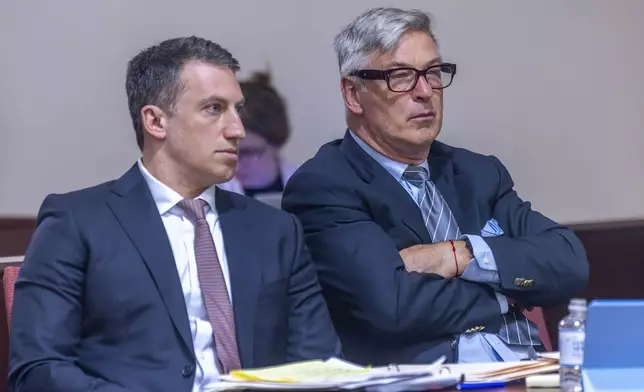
{"x": 357, "y": 217}
{"x": 99, "y": 305}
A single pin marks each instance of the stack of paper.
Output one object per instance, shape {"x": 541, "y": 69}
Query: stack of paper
{"x": 500, "y": 371}
{"x": 335, "y": 374}
{"x": 507, "y": 371}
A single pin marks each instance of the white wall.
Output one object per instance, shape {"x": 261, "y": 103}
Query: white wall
{"x": 554, "y": 88}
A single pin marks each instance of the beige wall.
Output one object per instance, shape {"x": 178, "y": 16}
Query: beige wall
{"x": 553, "y": 88}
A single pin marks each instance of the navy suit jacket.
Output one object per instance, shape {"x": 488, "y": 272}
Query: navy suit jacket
{"x": 99, "y": 306}
{"x": 357, "y": 217}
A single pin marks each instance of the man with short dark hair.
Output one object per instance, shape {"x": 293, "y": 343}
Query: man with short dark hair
{"x": 159, "y": 281}
{"x": 422, "y": 249}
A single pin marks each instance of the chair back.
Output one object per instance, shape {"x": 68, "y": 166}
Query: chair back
{"x": 536, "y": 316}
{"x": 8, "y": 282}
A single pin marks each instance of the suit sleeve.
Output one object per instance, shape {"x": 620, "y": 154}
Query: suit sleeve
{"x": 312, "y": 335}
{"x": 364, "y": 276}
{"x": 534, "y": 249}
{"x": 48, "y": 308}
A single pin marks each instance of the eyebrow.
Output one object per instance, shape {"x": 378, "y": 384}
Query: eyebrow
{"x": 395, "y": 64}
{"x": 218, "y": 99}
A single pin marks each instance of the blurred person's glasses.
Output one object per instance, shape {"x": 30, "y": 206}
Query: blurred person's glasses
{"x": 402, "y": 80}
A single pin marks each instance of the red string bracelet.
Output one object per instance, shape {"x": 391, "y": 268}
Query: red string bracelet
{"x": 454, "y": 251}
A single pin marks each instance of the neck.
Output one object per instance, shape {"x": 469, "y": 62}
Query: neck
{"x": 410, "y": 155}
{"x": 172, "y": 175}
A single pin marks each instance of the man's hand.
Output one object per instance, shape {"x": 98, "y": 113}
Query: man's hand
{"x": 437, "y": 259}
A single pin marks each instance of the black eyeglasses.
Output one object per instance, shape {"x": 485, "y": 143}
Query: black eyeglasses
{"x": 402, "y": 80}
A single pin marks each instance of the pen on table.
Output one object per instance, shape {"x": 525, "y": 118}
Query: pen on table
{"x": 483, "y": 384}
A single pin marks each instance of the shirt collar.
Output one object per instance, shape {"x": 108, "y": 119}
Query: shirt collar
{"x": 395, "y": 168}
{"x": 166, "y": 198}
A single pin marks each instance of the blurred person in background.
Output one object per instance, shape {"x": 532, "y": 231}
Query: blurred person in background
{"x": 261, "y": 168}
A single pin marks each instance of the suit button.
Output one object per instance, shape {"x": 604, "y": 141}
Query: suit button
{"x": 187, "y": 371}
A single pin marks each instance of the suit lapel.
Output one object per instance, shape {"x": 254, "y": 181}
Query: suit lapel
{"x": 244, "y": 268}
{"x": 382, "y": 182}
{"x": 133, "y": 206}
{"x": 454, "y": 186}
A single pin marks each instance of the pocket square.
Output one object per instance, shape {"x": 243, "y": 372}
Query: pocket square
{"x": 491, "y": 229}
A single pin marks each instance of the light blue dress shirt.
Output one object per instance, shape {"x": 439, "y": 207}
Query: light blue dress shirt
{"x": 477, "y": 346}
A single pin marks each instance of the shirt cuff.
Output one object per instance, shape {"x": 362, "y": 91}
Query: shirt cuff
{"x": 484, "y": 270}
{"x": 503, "y": 302}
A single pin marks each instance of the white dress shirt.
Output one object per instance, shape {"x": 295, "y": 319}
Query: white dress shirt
{"x": 181, "y": 233}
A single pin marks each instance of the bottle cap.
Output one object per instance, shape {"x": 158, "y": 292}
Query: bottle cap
{"x": 577, "y": 304}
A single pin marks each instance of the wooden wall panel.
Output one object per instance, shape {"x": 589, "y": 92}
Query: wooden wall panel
{"x": 616, "y": 255}
{"x": 14, "y": 235}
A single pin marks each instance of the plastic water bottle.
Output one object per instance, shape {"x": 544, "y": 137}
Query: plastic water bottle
{"x": 572, "y": 335}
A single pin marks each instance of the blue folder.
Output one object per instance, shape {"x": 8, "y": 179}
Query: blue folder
{"x": 614, "y": 348}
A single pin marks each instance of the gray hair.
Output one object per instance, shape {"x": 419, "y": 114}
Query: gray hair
{"x": 376, "y": 31}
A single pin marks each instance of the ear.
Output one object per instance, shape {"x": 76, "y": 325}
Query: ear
{"x": 154, "y": 121}
{"x": 350, "y": 90}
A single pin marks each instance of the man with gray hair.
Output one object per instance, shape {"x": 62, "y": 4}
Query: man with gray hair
{"x": 422, "y": 249}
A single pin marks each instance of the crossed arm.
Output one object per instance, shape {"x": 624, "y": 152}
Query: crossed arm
{"x": 360, "y": 265}
{"x": 411, "y": 291}
{"x": 533, "y": 247}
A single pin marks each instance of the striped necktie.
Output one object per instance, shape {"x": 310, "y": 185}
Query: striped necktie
{"x": 438, "y": 218}
{"x": 213, "y": 287}
{"x": 441, "y": 225}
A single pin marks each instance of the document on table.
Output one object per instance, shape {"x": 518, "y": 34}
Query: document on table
{"x": 309, "y": 371}
{"x": 504, "y": 371}
{"x": 499, "y": 371}
{"x": 337, "y": 375}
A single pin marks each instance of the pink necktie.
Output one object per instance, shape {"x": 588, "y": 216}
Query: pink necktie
{"x": 213, "y": 287}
